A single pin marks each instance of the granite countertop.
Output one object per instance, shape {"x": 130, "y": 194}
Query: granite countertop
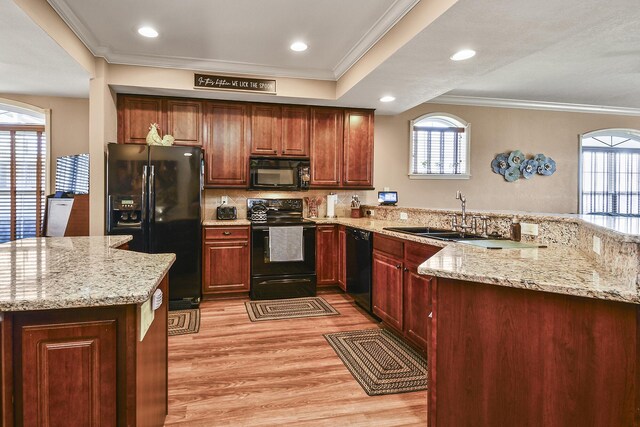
{"x": 223, "y": 222}
{"x": 71, "y": 272}
{"x": 557, "y": 268}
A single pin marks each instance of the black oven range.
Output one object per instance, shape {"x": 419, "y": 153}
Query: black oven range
{"x": 283, "y": 249}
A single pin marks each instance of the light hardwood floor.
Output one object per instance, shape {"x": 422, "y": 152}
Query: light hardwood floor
{"x": 235, "y": 372}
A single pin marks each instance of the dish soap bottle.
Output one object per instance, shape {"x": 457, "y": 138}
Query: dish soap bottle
{"x": 516, "y": 234}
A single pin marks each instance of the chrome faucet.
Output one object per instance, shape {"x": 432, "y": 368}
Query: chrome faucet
{"x": 463, "y": 226}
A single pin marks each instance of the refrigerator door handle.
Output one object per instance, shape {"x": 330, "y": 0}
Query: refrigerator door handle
{"x": 144, "y": 195}
{"x": 109, "y": 213}
{"x": 152, "y": 193}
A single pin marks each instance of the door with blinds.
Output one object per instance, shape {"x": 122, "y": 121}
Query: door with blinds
{"x": 22, "y": 181}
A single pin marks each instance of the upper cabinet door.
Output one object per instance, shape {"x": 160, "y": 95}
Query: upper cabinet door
{"x": 226, "y": 144}
{"x": 184, "y": 121}
{"x": 358, "y": 149}
{"x": 135, "y": 115}
{"x": 265, "y": 130}
{"x": 326, "y": 146}
{"x": 295, "y": 131}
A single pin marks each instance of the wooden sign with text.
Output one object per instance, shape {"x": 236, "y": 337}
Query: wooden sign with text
{"x": 206, "y": 81}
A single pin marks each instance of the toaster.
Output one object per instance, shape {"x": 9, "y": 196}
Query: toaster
{"x": 226, "y": 212}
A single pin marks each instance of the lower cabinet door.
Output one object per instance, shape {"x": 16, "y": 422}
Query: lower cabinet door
{"x": 387, "y": 289}
{"x": 416, "y": 301}
{"x": 226, "y": 267}
{"x": 69, "y": 374}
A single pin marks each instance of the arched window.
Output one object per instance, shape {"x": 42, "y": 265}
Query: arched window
{"x": 439, "y": 147}
{"x": 610, "y": 172}
{"x": 22, "y": 172}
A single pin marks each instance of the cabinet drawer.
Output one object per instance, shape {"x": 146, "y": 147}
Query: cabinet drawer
{"x": 416, "y": 253}
{"x": 226, "y": 233}
{"x": 389, "y": 245}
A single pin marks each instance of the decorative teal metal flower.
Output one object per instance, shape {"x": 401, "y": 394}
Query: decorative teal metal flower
{"x": 540, "y": 158}
{"x": 529, "y": 168}
{"x": 512, "y": 174}
{"x": 548, "y": 167}
{"x": 500, "y": 164}
{"x": 516, "y": 158}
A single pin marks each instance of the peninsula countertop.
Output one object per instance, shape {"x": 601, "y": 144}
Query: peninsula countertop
{"x": 557, "y": 268}
{"x": 71, "y": 272}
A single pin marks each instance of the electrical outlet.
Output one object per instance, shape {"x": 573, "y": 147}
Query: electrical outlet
{"x": 224, "y": 200}
{"x": 530, "y": 229}
{"x": 403, "y": 215}
{"x": 597, "y": 243}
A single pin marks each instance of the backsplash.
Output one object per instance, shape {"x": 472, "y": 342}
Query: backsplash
{"x": 238, "y": 198}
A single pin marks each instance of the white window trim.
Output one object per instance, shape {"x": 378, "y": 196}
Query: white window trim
{"x": 467, "y": 130}
{"x": 619, "y": 132}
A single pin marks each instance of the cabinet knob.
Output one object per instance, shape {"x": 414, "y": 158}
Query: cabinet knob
{"x": 398, "y": 266}
{"x": 430, "y": 316}
{"x": 406, "y": 269}
{"x": 226, "y": 233}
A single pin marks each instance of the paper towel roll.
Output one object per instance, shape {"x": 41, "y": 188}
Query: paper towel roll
{"x": 332, "y": 200}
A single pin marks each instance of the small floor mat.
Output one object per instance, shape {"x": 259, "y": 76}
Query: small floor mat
{"x": 380, "y": 362}
{"x": 292, "y": 308}
{"x": 184, "y": 321}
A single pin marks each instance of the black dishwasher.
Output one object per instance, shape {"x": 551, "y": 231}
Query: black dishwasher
{"x": 359, "y": 252}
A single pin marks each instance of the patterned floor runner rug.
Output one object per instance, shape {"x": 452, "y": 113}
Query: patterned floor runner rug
{"x": 380, "y": 362}
{"x": 291, "y": 308}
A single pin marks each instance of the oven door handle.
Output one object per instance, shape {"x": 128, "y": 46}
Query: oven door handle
{"x": 266, "y": 227}
{"x": 284, "y": 281}
{"x": 267, "y": 251}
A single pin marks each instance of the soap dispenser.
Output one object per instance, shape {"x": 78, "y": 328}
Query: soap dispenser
{"x": 516, "y": 234}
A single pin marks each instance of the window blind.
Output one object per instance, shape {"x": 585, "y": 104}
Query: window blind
{"x": 438, "y": 150}
{"x": 22, "y": 180}
{"x": 72, "y": 174}
{"x": 610, "y": 181}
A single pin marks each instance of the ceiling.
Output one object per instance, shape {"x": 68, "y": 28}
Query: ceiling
{"x": 569, "y": 51}
{"x": 31, "y": 63}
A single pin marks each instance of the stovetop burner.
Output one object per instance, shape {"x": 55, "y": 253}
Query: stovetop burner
{"x": 276, "y": 212}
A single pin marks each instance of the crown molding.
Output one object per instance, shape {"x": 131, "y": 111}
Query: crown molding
{"x": 391, "y": 17}
{"x": 185, "y": 63}
{"x": 533, "y": 105}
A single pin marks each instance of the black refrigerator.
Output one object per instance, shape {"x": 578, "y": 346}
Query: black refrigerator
{"x": 153, "y": 193}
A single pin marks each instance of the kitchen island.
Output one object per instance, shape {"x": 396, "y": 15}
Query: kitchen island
{"x": 80, "y": 341}
{"x": 540, "y": 336}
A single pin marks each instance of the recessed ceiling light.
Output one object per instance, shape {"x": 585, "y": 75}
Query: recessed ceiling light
{"x": 463, "y": 54}
{"x": 298, "y": 46}
{"x": 147, "y": 32}
{"x": 387, "y": 98}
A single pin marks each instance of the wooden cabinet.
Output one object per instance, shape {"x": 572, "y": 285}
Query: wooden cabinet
{"x": 327, "y": 255}
{"x": 78, "y": 358}
{"x": 135, "y": 115}
{"x": 338, "y": 141}
{"x": 326, "y": 146}
{"x": 279, "y": 131}
{"x": 184, "y": 121}
{"x": 357, "y": 168}
{"x": 266, "y": 132}
{"x": 387, "y": 288}
{"x": 226, "y": 144}
{"x": 342, "y": 257}
{"x": 84, "y": 366}
{"x": 400, "y": 294}
{"x": 226, "y": 260}
{"x": 295, "y": 131}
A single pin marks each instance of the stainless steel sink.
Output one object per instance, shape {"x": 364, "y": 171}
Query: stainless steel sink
{"x": 438, "y": 234}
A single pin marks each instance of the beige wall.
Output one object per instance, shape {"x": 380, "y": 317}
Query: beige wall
{"x": 493, "y": 131}
{"x": 69, "y": 125}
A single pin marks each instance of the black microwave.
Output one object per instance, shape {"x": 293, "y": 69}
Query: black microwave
{"x": 279, "y": 174}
